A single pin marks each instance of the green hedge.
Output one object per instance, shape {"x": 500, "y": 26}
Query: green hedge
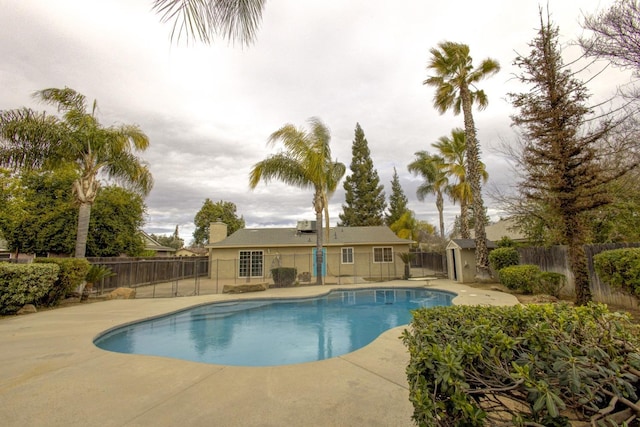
{"x": 549, "y": 283}
{"x": 522, "y": 278}
{"x": 284, "y": 276}
{"x": 521, "y": 365}
{"x": 620, "y": 268}
{"x": 72, "y": 274}
{"x": 503, "y": 257}
{"x": 22, "y": 284}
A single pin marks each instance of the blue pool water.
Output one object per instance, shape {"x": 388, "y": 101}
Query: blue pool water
{"x": 274, "y": 332}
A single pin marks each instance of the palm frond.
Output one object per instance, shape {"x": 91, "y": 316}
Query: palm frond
{"x": 233, "y": 20}
{"x": 29, "y": 139}
{"x": 280, "y": 167}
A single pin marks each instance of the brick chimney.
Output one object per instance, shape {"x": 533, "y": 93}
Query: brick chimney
{"x": 217, "y": 232}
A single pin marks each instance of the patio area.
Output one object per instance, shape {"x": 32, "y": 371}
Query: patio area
{"x": 51, "y": 373}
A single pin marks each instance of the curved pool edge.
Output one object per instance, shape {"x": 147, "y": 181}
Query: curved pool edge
{"x": 465, "y": 295}
{"x": 253, "y": 296}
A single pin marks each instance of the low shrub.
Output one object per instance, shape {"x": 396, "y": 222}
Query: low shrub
{"x": 506, "y": 242}
{"x": 549, "y": 283}
{"x": 523, "y": 278}
{"x": 620, "y": 268}
{"x": 547, "y": 364}
{"x": 22, "y": 284}
{"x": 284, "y": 276}
{"x": 503, "y": 257}
{"x": 72, "y": 274}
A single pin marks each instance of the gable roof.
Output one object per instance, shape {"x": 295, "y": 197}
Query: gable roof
{"x": 469, "y": 244}
{"x": 150, "y": 244}
{"x": 288, "y": 237}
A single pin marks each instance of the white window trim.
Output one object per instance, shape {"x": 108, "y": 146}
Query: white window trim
{"x": 250, "y": 262}
{"x": 342, "y": 255}
{"x": 382, "y": 248}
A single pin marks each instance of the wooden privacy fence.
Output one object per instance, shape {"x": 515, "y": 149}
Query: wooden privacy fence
{"x": 555, "y": 258}
{"x": 134, "y": 272}
{"x": 433, "y": 263}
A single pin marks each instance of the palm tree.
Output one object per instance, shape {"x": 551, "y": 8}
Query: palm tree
{"x": 305, "y": 163}
{"x": 454, "y": 80}
{"x": 453, "y": 151}
{"x": 32, "y": 140}
{"x": 234, "y": 20}
{"x": 436, "y": 181}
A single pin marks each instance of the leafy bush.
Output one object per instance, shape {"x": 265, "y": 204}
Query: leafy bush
{"x": 549, "y": 283}
{"x": 620, "y": 268}
{"x": 503, "y": 257}
{"x": 22, "y": 284}
{"x": 284, "y": 276}
{"x": 523, "y": 278}
{"x": 72, "y": 274}
{"x": 505, "y": 242}
{"x": 547, "y": 364}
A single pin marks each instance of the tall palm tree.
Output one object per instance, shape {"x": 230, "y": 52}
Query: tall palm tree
{"x": 33, "y": 140}
{"x": 305, "y": 163}
{"x": 453, "y": 152}
{"x": 454, "y": 80}
{"x": 234, "y": 20}
{"x": 436, "y": 181}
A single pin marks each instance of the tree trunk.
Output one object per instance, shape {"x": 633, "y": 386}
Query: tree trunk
{"x": 440, "y": 207}
{"x": 84, "y": 213}
{"x": 572, "y": 233}
{"x": 578, "y": 264}
{"x": 318, "y": 206}
{"x": 86, "y": 190}
{"x": 473, "y": 171}
{"x": 464, "y": 219}
{"x": 326, "y": 219}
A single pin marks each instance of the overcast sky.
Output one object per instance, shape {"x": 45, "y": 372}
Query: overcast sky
{"x": 209, "y": 110}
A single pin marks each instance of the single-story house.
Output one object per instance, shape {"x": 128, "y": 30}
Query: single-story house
{"x": 461, "y": 259}
{"x": 192, "y": 252}
{"x": 150, "y": 244}
{"x": 506, "y": 227}
{"x": 349, "y": 251}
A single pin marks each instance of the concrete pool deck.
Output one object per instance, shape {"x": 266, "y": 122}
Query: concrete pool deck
{"x": 51, "y": 374}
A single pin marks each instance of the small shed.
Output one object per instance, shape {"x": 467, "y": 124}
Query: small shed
{"x": 461, "y": 259}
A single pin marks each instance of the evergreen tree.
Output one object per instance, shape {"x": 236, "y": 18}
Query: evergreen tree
{"x": 212, "y": 212}
{"x": 364, "y": 196}
{"x": 397, "y": 201}
{"x": 174, "y": 241}
{"x": 563, "y": 174}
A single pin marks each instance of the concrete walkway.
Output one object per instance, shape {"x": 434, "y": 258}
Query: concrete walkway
{"x": 51, "y": 374}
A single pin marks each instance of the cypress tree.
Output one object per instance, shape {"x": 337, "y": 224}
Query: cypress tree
{"x": 397, "y": 201}
{"x": 562, "y": 171}
{"x": 364, "y": 196}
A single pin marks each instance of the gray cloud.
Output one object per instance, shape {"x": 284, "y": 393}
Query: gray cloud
{"x": 209, "y": 110}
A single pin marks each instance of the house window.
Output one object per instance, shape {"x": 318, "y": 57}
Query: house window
{"x": 347, "y": 255}
{"x": 382, "y": 254}
{"x": 250, "y": 264}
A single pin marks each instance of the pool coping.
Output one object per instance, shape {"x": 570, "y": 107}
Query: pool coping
{"x": 259, "y": 299}
{"x": 52, "y": 374}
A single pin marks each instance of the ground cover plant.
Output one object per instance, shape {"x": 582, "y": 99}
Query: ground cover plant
{"x": 534, "y": 365}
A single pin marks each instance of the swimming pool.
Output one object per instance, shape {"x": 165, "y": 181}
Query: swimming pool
{"x": 268, "y": 332}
